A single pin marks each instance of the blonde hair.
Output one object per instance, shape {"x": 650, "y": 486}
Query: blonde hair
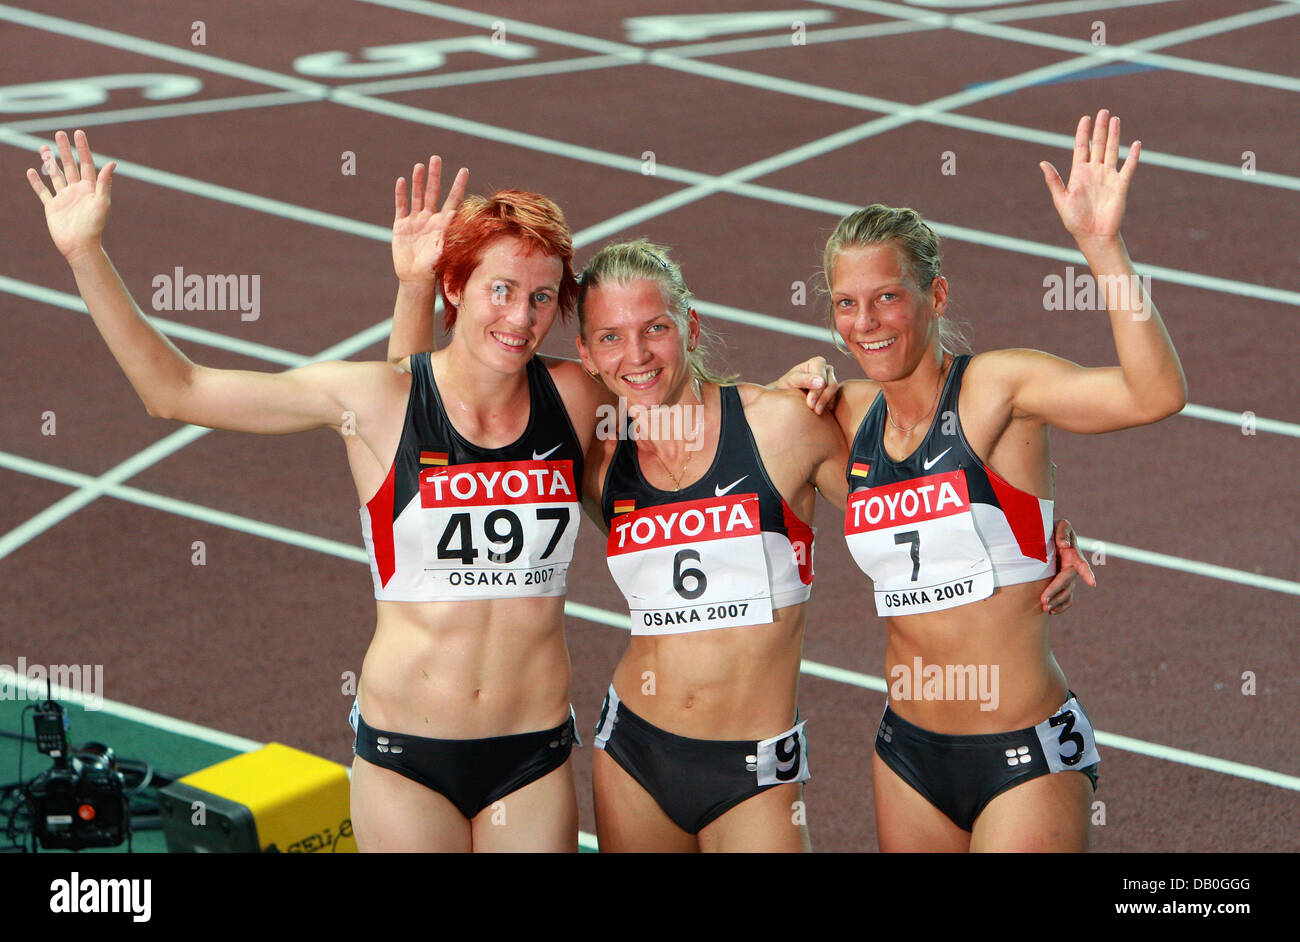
{"x": 906, "y": 230}
{"x": 624, "y": 262}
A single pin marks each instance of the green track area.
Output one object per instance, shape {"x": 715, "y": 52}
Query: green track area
{"x": 170, "y": 754}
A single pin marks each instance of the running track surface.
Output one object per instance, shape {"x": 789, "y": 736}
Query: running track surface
{"x": 759, "y": 144}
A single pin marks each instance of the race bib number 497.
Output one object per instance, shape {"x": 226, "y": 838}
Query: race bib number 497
{"x": 917, "y": 541}
{"x": 499, "y": 529}
{"x": 692, "y": 565}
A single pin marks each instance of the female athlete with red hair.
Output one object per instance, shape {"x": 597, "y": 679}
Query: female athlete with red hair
{"x": 468, "y": 463}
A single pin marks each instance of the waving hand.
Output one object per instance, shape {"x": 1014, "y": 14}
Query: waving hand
{"x": 1092, "y": 204}
{"x": 78, "y": 210}
{"x": 420, "y": 227}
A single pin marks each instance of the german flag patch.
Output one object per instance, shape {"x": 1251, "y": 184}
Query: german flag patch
{"x": 860, "y": 469}
{"x": 433, "y": 458}
{"x": 624, "y": 507}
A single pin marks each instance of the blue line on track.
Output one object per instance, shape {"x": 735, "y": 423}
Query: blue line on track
{"x": 1101, "y": 71}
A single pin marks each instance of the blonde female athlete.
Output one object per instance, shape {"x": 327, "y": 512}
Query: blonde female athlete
{"x": 467, "y": 464}
{"x": 949, "y": 513}
{"x": 707, "y": 498}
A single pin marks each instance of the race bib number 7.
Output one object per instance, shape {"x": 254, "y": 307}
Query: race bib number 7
{"x": 917, "y": 541}
{"x": 499, "y": 529}
{"x": 692, "y": 566}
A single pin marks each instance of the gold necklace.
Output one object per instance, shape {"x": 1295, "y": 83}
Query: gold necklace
{"x": 677, "y": 478}
{"x": 677, "y": 481}
{"x": 937, "y": 393}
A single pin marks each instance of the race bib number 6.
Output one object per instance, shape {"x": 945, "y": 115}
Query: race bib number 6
{"x": 917, "y": 541}
{"x": 692, "y": 566}
{"x": 499, "y": 529}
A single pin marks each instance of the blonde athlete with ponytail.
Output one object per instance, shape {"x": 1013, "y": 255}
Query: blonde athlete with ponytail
{"x": 707, "y": 496}
{"x": 949, "y": 513}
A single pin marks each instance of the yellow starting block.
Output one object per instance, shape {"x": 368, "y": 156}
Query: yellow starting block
{"x": 274, "y": 799}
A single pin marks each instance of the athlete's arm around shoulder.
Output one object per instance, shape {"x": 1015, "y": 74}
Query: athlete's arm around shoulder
{"x": 798, "y": 446}
{"x": 592, "y": 411}
{"x": 582, "y": 396}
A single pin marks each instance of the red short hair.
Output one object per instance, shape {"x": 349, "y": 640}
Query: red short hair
{"x": 530, "y": 217}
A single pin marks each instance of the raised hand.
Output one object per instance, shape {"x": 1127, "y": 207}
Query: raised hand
{"x": 419, "y": 229}
{"x": 78, "y": 210}
{"x": 1092, "y": 204}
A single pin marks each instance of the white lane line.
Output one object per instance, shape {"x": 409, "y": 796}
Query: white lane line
{"x": 223, "y": 194}
{"x": 147, "y": 47}
{"x": 1136, "y": 51}
{"x": 798, "y": 89}
{"x": 708, "y": 308}
{"x": 1158, "y": 272}
{"x": 155, "y": 112}
{"x": 1187, "y": 757}
{"x": 1127, "y": 54}
{"x": 1152, "y": 158}
{"x": 1276, "y": 426}
{"x": 895, "y": 27}
{"x": 711, "y": 70}
{"x": 488, "y": 21}
{"x": 1065, "y": 8}
{"x": 732, "y": 182}
{"x": 667, "y": 58}
{"x": 763, "y": 321}
{"x": 71, "y": 302}
{"x": 812, "y": 37}
{"x": 709, "y": 184}
{"x": 1110, "y": 740}
{"x": 712, "y": 184}
{"x": 353, "y": 553}
{"x": 619, "y": 620}
{"x": 36, "y": 691}
{"x": 502, "y": 135}
{"x": 628, "y": 53}
{"x": 966, "y": 122}
{"x": 71, "y": 503}
{"x": 477, "y": 76}
{"x": 1165, "y": 561}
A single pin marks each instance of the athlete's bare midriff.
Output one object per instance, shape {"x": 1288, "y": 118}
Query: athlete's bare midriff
{"x": 728, "y": 683}
{"x": 1007, "y": 631}
{"x": 467, "y": 670}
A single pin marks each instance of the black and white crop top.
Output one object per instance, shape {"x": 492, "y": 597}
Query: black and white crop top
{"x": 454, "y": 521}
{"x": 722, "y": 552}
{"x": 940, "y": 528}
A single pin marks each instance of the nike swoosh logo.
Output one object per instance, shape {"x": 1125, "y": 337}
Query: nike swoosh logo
{"x": 537, "y": 457}
{"x": 719, "y": 491}
{"x": 927, "y": 465}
